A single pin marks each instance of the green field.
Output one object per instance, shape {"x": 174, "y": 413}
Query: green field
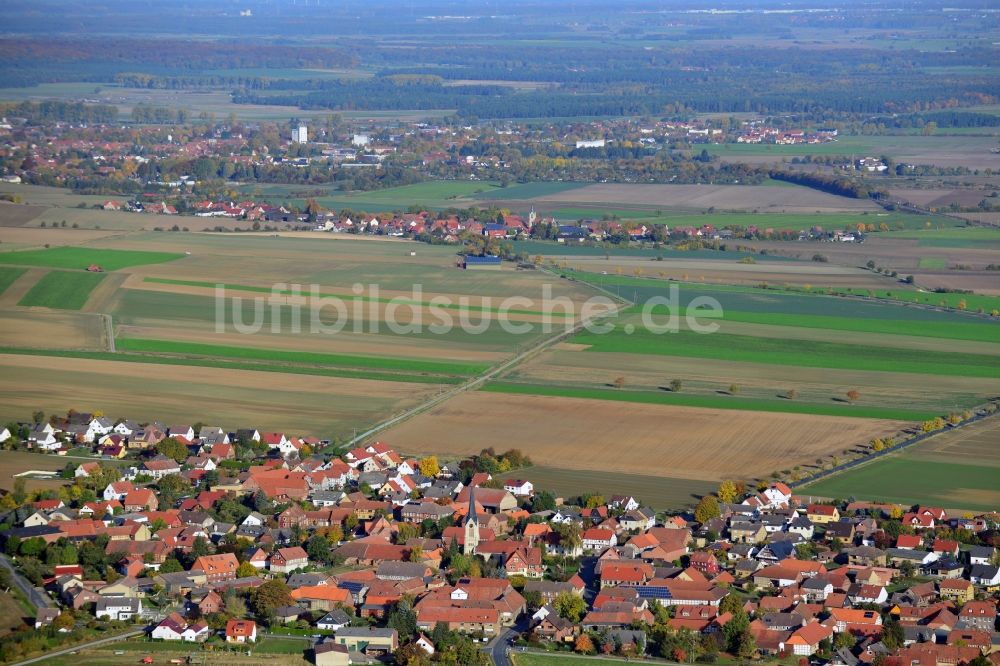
{"x": 82, "y": 257}
{"x": 710, "y": 401}
{"x": 144, "y": 308}
{"x": 347, "y": 297}
{"x": 528, "y": 191}
{"x": 802, "y": 353}
{"x": 959, "y": 237}
{"x": 201, "y": 362}
{"x": 908, "y": 480}
{"x": 815, "y": 300}
{"x": 383, "y": 363}
{"x": 63, "y": 290}
{"x": 933, "y": 263}
{"x": 981, "y": 331}
{"x": 956, "y": 468}
{"x": 8, "y": 275}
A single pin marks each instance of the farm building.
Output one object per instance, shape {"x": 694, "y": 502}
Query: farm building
{"x": 481, "y": 263}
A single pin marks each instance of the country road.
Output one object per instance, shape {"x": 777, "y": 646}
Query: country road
{"x": 476, "y": 382}
{"x": 82, "y": 646}
{"x": 35, "y": 596}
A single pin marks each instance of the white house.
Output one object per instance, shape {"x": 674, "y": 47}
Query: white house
{"x": 118, "y": 490}
{"x": 777, "y": 495}
{"x": 197, "y": 632}
{"x": 43, "y": 437}
{"x": 984, "y": 574}
{"x": 125, "y": 428}
{"x": 4, "y": 435}
{"x": 170, "y": 629}
{"x": 333, "y": 621}
{"x": 254, "y": 519}
{"x": 425, "y": 644}
{"x": 624, "y": 503}
{"x": 98, "y": 428}
{"x": 118, "y": 608}
{"x": 519, "y": 487}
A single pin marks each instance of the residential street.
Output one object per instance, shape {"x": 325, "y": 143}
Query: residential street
{"x": 35, "y": 596}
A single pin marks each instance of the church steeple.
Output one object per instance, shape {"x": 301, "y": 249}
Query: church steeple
{"x": 471, "y": 540}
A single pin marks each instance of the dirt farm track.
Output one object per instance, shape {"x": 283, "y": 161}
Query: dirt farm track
{"x": 679, "y": 442}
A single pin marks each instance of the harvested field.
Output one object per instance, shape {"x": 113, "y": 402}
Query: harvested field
{"x": 16, "y": 215}
{"x": 940, "y": 198}
{"x": 16, "y": 462}
{"x": 27, "y": 237}
{"x": 720, "y": 197}
{"x": 316, "y": 405}
{"x": 713, "y": 378}
{"x": 41, "y": 329}
{"x": 681, "y": 442}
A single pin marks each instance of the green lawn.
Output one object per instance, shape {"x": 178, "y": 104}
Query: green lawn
{"x": 82, "y": 257}
{"x": 803, "y": 353}
{"x": 63, "y": 290}
{"x": 933, "y": 263}
{"x": 908, "y": 480}
{"x": 386, "y": 363}
{"x": 8, "y": 275}
{"x": 711, "y": 401}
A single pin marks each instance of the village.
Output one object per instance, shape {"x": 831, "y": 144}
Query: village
{"x": 211, "y": 536}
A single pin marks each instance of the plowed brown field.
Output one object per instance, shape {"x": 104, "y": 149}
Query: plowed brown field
{"x": 678, "y": 442}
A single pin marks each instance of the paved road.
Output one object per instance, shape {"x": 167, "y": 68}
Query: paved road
{"x": 500, "y": 646}
{"x": 36, "y": 596}
{"x": 83, "y": 646}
